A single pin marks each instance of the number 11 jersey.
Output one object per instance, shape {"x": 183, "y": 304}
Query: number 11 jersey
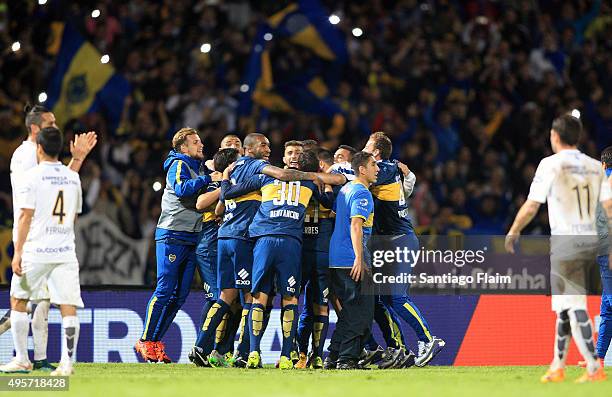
{"x": 53, "y": 191}
{"x": 572, "y": 183}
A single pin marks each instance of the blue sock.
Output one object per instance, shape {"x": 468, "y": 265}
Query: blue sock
{"x": 319, "y": 334}
{"x": 605, "y": 327}
{"x": 200, "y": 342}
{"x": 407, "y": 310}
{"x": 244, "y": 344}
{"x": 256, "y": 326}
{"x": 304, "y": 328}
{"x": 227, "y": 345}
{"x": 289, "y": 319}
{"x": 266, "y": 318}
{"x": 215, "y": 316}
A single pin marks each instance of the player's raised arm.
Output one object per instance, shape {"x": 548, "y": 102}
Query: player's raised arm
{"x": 80, "y": 148}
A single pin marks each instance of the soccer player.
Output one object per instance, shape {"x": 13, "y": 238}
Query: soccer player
{"x": 392, "y": 219}
{"x": 49, "y": 199}
{"x": 347, "y": 259}
{"x": 572, "y": 183}
{"x": 24, "y": 158}
{"x": 605, "y": 269}
{"x": 228, "y": 141}
{"x": 309, "y": 144}
{"x": 344, "y": 154}
{"x": 293, "y": 151}
{"x": 235, "y": 247}
{"x": 176, "y": 237}
{"x": 206, "y": 254}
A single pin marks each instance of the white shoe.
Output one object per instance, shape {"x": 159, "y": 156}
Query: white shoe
{"x": 16, "y": 367}
{"x": 63, "y": 370}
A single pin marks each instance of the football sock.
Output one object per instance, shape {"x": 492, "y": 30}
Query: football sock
{"x": 562, "y": 340}
{"x": 244, "y": 339}
{"x": 256, "y": 329}
{"x": 40, "y": 329}
{"x": 304, "y": 328}
{"x": 227, "y": 345}
{"x": 214, "y": 317}
{"x": 71, "y": 338}
{"x": 582, "y": 332}
{"x": 289, "y": 319}
{"x": 200, "y": 341}
{"x": 20, "y": 327}
{"x": 319, "y": 334}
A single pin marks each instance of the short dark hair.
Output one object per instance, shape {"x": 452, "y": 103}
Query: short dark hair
{"x": 383, "y": 143}
{"x": 309, "y": 162}
{"x": 33, "y": 115}
{"x": 569, "y": 128}
{"x": 360, "y": 159}
{"x": 252, "y": 138}
{"x": 224, "y": 157}
{"x": 51, "y": 140}
{"x": 325, "y": 156}
{"x": 294, "y": 143}
{"x": 310, "y": 142}
{"x": 606, "y": 157}
{"x": 351, "y": 149}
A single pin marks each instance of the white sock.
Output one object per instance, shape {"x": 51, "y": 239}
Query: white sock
{"x": 20, "y": 325}
{"x": 40, "y": 329}
{"x": 563, "y": 335}
{"x": 71, "y": 337}
{"x": 582, "y": 331}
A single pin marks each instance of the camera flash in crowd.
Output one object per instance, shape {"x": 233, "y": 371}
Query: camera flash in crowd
{"x": 42, "y": 2}
{"x": 244, "y": 88}
{"x": 205, "y": 48}
{"x": 105, "y": 58}
{"x": 42, "y": 97}
{"x": 357, "y": 32}
{"x": 16, "y": 46}
{"x": 157, "y": 186}
{"x": 334, "y": 19}
{"x": 95, "y": 13}
{"x": 576, "y": 113}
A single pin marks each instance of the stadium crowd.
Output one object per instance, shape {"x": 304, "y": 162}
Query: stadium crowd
{"x": 466, "y": 90}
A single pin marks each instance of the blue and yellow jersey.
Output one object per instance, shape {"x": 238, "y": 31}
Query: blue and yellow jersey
{"x": 354, "y": 200}
{"x": 239, "y": 211}
{"x": 318, "y": 224}
{"x": 390, "y": 201}
{"x": 283, "y": 208}
{"x": 210, "y": 227}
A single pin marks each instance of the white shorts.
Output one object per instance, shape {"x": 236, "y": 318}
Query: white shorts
{"x": 59, "y": 280}
{"x": 567, "y": 302}
{"x": 569, "y": 284}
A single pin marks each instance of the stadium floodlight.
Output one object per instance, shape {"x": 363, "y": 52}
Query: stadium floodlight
{"x": 244, "y": 88}
{"x": 42, "y": 2}
{"x": 95, "y": 13}
{"x": 205, "y": 48}
{"x": 334, "y": 19}
{"x": 157, "y": 186}
{"x": 105, "y": 58}
{"x": 42, "y": 97}
{"x": 576, "y": 113}
{"x": 268, "y": 36}
{"x": 357, "y": 32}
{"x": 16, "y": 46}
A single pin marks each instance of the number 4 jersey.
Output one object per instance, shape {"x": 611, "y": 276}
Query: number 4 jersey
{"x": 572, "y": 183}
{"x": 53, "y": 191}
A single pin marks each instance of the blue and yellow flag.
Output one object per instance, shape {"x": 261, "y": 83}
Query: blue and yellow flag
{"x": 305, "y": 24}
{"x": 80, "y": 83}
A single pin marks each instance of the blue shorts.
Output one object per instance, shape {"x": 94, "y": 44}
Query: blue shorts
{"x": 234, "y": 263}
{"x": 315, "y": 272}
{"x": 606, "y": 286}
{"x": 277, "y": 258}
{"x": 206, "y": 259}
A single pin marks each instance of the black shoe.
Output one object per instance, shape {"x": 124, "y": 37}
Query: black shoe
{"x": 330, "y": 362}
{"x": 405, "y": 360}
{"x": 43, "y": 365}
{"x": 371, "y": 356}
{"x": 196, "y": 355}
{"x": 389, "y": 358}
{"x": 351, "y": 364}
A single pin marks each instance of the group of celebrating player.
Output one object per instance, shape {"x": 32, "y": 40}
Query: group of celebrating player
{"x": 254, "y": 230}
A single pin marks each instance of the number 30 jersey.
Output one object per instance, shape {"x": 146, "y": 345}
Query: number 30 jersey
{"x": 572, "y": 183}
{"x": 53, "y": 191}
{"x": 282, "y": 209}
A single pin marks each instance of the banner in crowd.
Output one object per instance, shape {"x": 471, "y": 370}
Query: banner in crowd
{"x": 486, "y": 330}
{"x": 106, "y": 255}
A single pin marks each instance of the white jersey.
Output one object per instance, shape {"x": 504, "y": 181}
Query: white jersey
{"x": 53, "y": 191}
{"x": 573, "y": 184}
{"x": 343, "y": 168}
{"x": 23, "y": 159}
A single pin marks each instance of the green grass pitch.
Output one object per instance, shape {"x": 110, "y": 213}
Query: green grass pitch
{"x": 146, "y": 380}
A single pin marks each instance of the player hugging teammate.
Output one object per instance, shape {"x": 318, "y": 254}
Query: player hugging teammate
{"x": 266, "y": 231}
